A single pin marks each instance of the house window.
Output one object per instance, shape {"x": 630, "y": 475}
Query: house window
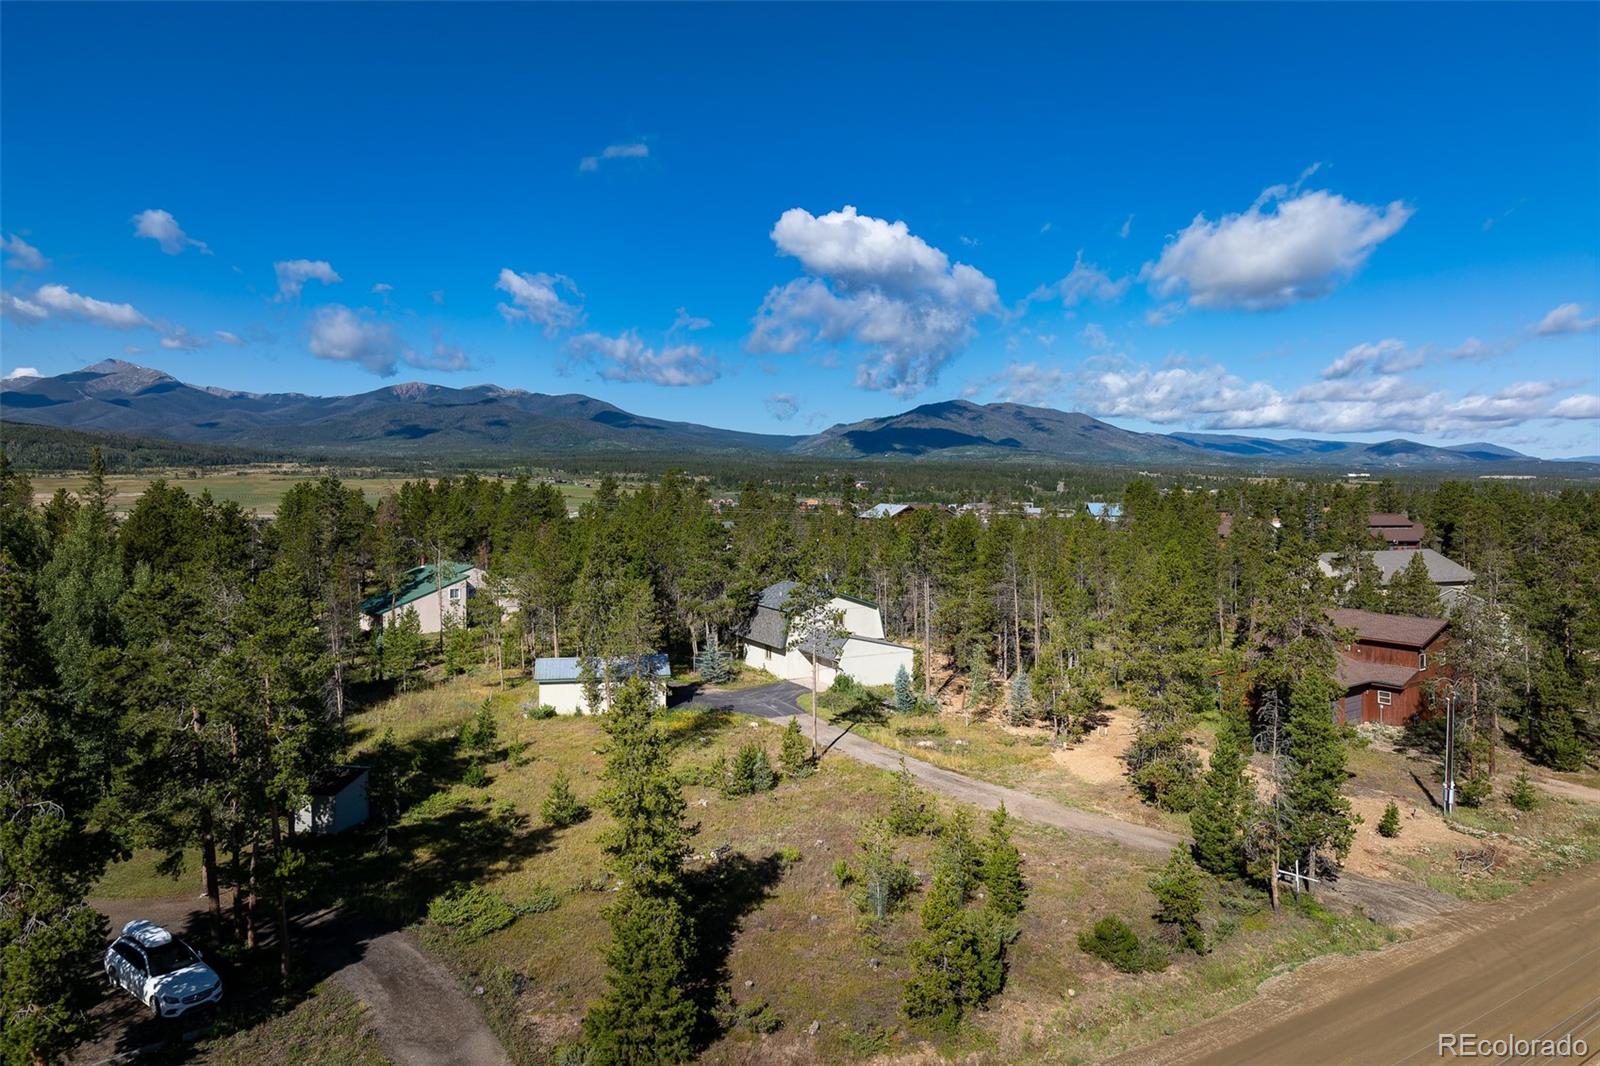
{"x": 1422, "y": 660}
{"x": 1384, "y": 698}
{"x": 455, "y": 593}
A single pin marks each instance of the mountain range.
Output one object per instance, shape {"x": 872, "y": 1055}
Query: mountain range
{"x": 418, "y": 420}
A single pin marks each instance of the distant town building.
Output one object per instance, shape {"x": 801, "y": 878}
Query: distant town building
{"x": 435, "y": 592}
{"x": 863, "y": 655}
{"x": 1397, "y": 530}
{"x": 1105, "y": 512}
{"x": 1385, "y": 669}
{"x": 561, "y": 679}
{"x": 891, "y": 510}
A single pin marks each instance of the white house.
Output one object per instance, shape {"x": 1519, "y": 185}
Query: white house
{"x": 338, "y": 801}
{"x": 863, "y": 654}
{"x": 434, "y": 592}
{"x": 561, "y": 680}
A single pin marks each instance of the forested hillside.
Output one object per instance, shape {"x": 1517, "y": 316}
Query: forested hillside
{"x": 173, "y": 679}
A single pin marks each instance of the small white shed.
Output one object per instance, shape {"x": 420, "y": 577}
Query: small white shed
{"x": 338, "y": 801}
{"x": 561, "y": 679}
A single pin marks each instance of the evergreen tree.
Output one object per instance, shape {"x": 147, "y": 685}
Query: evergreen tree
{"x": 1412, "y": 591}
{"x": 1180, "y": 896}
{"x": 561, "y": 807}
{"x": 51, "y": 841}
{"x": 959, "y": 961}
{"x": 1320, "y": 814}
{"x": 401, "y": 641}
{"x": 1221, "y": 809}
{"x": 793, "y": 754}
{"x": 646, "y": 1014}
{"x": 1002, "y": 869}
{"x": 905, "y": 698}
{"x": 1389, "y": 824}
{"x": 909, "y": 815}
{"x": 1019, "y": 703}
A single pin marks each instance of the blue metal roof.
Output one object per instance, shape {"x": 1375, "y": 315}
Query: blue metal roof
{"x": 570, "y": 668}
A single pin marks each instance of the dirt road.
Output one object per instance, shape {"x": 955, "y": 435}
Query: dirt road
{"x": 1384, "y": 901}
{"x": 422, "y": 1015}
{"x": 1527, "y": 967}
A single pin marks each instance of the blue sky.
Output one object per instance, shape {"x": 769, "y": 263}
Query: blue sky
{"x": 1364, "y": 221}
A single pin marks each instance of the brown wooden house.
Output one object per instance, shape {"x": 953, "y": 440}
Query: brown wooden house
{"x": 1396, "y": 530}
{"x": 1385, "y": 670}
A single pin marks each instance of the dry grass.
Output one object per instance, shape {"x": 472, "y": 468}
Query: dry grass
{"x": 796, "y": 941}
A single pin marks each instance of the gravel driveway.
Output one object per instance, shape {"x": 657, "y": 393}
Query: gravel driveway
{"x": 1384, "y": 901}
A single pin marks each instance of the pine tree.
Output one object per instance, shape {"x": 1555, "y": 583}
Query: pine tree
{"x": 793, "y": 755}
{"x": 1320, "y": 814}
{"x": 561, "y": 807}
{"x": 54, "y": 849}
{"x": 1180, "y": 896}
{"x": 905, "y": 699}
{"x": 1019, "y": 704}
{"x": 909, "y": 815}
{"x": 401, "y": 641}
{"x": 1412, "y": 591}
{"x": 1002, "y": 869}
{"x": 1389, "y": 824}
{"x": 1218, "y": 819}
{"x": 959, "y": 961}
{"x": 646, "y": 1014}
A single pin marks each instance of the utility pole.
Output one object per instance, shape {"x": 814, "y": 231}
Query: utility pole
{"x": 1449, "y": 745}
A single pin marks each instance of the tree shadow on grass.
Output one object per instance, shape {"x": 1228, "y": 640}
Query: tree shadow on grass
{"x": 721, "y": 896}
{"x": 864, "y": 709}
{"x": 352, "y": 889}
{"x": 694, "y": 726}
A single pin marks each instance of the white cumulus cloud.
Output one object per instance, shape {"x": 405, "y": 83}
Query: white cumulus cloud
{"x": 1584, "y": 405}
{"x": 20, "y": 255}
{"x": 537, "y": 298}
{"x": 161, "y": 227}
{"x": 294, "y": 273}
{"x": 1388, "y": 356}
{"x": 61, "y": 302}
{"x": 341, "y": 335}
{"x": 22, "y": 311}
{"x": 627, "y": 357}
{"x": 874, "y": 284}
{"x": 1288, "y": 246}
{"x": 180, "y": 339}
{"x": 19, "y": 372}
{"x": 1084, "y": 281}
{"x": 1568, "y": 318}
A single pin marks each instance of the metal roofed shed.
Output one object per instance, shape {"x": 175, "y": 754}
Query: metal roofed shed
{"x": 561, "y": 679}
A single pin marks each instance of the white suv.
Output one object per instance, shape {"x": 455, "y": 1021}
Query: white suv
{"x": 161, "y": 971}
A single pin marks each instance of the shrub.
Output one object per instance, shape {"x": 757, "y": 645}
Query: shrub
{"x": 845, "y": 685}
{"x": 561, "y": 807}
{"x": 538, "y": 713}
{"x": 842, "y": 874}
{"x": 475, "y": 776}
{"x": 1389, "y": 825}
{"x": 1474, "y": 790}
{"x": 470, "y": 912}
{"x": 1522, "y": 795}
{"x": 789, "y": 855}
{"x": 921, "y": 729}
{"x": 885, "y": 879}
{"x": 1112, "y": 941}
{"x": 1170, "y": 781}
{"x": 541, "y": 900}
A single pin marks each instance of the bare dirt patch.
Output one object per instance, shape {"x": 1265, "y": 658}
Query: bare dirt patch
{"x": 1377, "y": 856}
{"x": 1097, "y": 758}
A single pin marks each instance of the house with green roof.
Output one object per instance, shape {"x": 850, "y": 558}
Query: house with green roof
{"x": 434, "y": 591}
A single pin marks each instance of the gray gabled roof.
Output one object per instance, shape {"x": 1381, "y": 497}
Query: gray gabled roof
{"x": 768, "y": 627}
{"x": 1441, "y": 571}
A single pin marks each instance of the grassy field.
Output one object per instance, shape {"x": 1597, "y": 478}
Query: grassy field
{"x": 253, "y": 488}
{"x": 793, "y": 939}
{"x": 329, "y": 1025}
